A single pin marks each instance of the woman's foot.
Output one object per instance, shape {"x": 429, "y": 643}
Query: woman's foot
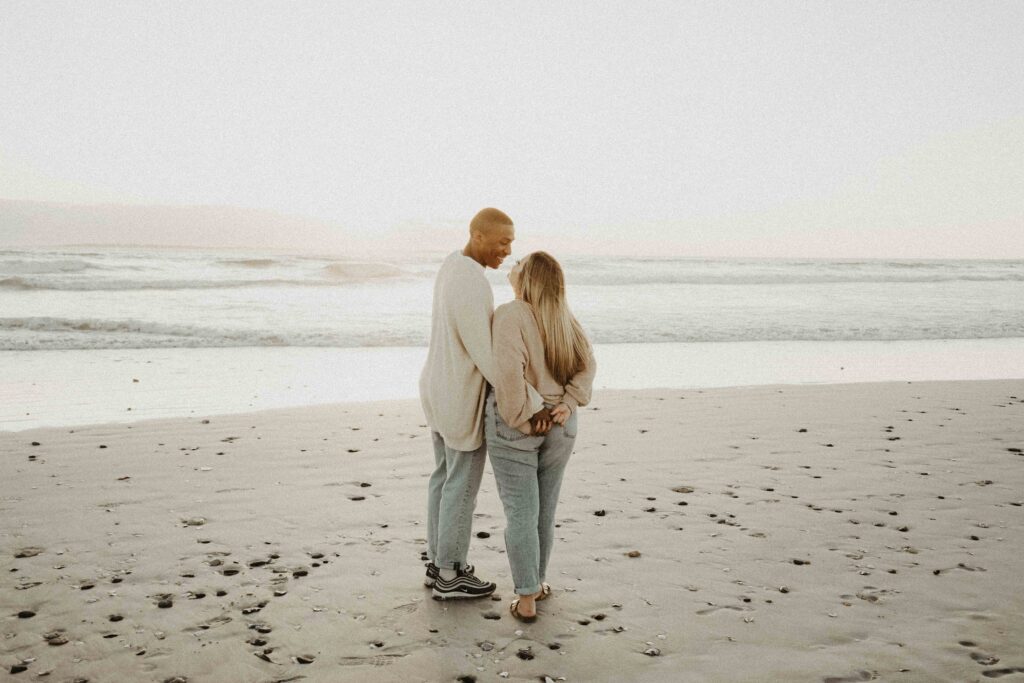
{"x": 524, "y": 608}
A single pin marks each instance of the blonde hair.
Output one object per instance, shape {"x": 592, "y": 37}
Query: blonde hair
{"x": 565, "y": 344}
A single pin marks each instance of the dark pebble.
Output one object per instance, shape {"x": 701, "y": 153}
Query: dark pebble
{"x": 26, "y": 614}
{"x": 165, "y": 604}
{"x": 115, "y": 617}
{"x": 599, "y": 513}
{"x": 482, "y": 534}
{"x": 526, "y": 654}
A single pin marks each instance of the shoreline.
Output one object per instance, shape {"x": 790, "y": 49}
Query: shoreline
{"x": 79, "y": 387}
{"x": 785, "y": 533}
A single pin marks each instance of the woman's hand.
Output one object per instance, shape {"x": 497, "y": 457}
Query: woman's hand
{"x": 560, "y": 413}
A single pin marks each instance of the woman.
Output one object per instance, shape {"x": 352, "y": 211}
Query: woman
{"x": 537, "y": 342}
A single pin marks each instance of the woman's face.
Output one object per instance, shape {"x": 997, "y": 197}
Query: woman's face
{"x": 514, "y": 277}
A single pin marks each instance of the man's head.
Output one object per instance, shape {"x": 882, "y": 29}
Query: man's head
{"x": 491, "y": 234}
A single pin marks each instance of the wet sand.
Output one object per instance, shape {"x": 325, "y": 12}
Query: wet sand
{"x": 800, "y": 533}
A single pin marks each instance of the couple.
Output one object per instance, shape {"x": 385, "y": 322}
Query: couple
{"x": 513, "y": 393}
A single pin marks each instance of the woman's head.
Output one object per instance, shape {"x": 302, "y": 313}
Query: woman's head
{"x": 538, "y": 277}
{"x": 538, "y": 280}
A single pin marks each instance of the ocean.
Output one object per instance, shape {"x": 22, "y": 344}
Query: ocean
{"x": 93, "y": 298}
{"x": 115, "y": 334}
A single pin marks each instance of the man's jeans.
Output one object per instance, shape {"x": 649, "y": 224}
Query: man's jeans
{"x": 529, "y": 471}
{"x": 451, "y": 499}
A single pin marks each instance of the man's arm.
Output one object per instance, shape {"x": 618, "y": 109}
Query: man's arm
{"x": 472, "y": 313}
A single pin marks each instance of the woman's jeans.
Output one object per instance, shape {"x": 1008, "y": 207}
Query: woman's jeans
{"x": 529, "y": 471}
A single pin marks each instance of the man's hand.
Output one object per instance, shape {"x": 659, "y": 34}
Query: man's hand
{"x": 560, "y": 413}
{"x": 541, "y": 422}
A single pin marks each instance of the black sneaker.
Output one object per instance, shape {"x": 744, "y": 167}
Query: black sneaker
{"x": 464, "y": 585}
{"x": 433, "y": 572}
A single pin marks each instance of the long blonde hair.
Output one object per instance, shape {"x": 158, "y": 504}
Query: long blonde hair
{"x": 565, "y": 344}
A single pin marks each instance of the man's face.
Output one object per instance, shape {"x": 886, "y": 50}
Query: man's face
{"x": 496, "y": 244}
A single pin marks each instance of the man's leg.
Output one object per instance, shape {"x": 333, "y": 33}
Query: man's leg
{"x": 465, "y": 470}
{"x": 437, "y": 479}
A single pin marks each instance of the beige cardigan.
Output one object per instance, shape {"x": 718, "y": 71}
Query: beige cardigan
{"x": 453, "y": 384}
{"x": 520, "y": 367}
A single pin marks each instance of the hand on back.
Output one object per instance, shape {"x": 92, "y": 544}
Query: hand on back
{"x": 541, "y": 422}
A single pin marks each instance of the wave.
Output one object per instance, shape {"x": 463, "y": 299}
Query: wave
{"x": 25, "y": 267}
{"x": 363, "y": 271}
{"x": 81, "y": 333}
{"x": 129, "y": 285}
{"x": 252, "y": 262}
{"x": 44, "y": 333}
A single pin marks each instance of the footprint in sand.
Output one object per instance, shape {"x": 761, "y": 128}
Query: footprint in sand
{"x": 715, "y": 608}
{"x": 375, "y": 660}
{"x": 998, "y": 673}
{"x": 855, "y": 677}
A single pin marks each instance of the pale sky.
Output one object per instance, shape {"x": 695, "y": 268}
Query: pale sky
{"x": 775, "y": 129}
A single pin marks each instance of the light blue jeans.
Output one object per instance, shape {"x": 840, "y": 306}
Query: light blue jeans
{"x": 529, "y": 472}
{"x": 451, "y": 499}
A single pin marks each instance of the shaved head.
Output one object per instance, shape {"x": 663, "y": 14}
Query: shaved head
{"x": 487, "y": 220}
{"x": 491, "y": 234}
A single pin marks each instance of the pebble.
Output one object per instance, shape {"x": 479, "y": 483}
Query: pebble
{"x": 633, "y": 553}
{"x": 652, "y": 652}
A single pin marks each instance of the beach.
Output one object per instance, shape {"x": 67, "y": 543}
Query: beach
{"x": 834, "y": 532}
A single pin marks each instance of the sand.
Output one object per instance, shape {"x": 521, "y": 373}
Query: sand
{"x": 782, "y": 533}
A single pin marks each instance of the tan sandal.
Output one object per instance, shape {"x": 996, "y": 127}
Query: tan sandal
{"x": 545, "y": 592}
{"x": 514, "y": 609}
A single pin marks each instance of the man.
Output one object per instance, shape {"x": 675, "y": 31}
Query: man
{"x": 453, "y": 387}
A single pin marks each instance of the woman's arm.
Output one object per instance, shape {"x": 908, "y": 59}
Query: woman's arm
{"x": 579, "y": 388}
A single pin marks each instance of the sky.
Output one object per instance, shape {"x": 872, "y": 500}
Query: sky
{"x": 836, "y": 129}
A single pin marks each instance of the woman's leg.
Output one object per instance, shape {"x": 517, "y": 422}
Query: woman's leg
{"x": 516, "y": 474}
{"x": 552, "y": 459}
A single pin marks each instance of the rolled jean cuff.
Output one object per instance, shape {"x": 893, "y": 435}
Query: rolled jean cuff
{"x": 528, "y": 590}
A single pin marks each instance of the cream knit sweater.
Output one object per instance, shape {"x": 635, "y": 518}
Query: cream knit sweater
{"x": 520, "y": 368}
{"x": 453, "y": 384}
